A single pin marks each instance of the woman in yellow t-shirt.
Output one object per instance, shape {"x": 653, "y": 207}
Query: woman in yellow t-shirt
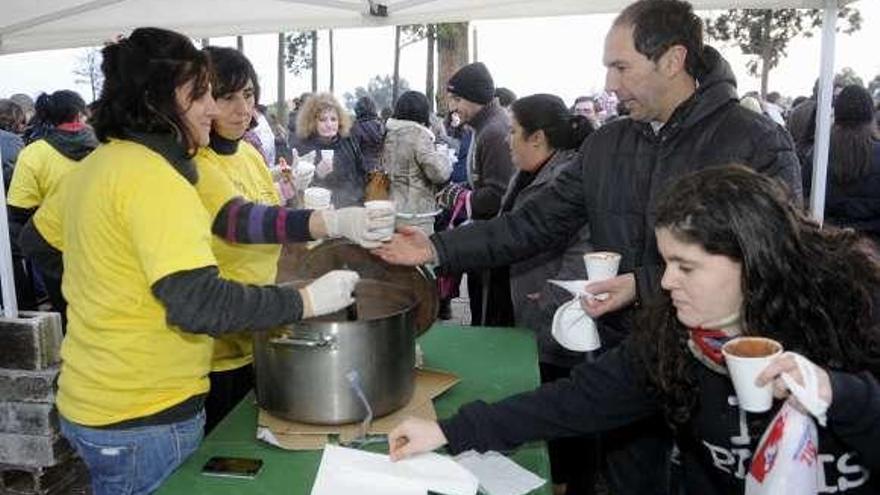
{"x": 230, "y": 159}
{"x": 144, "y": 292}
{"x": 65, "y": 140}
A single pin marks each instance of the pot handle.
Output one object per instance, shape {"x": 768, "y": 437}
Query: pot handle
{"x": 322, "y": 342}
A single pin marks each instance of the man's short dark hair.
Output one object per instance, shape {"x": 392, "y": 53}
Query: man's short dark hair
{"x": 661, "y": 24}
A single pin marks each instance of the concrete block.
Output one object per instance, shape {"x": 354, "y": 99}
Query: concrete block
{"x": 30, "y": 342}
{"x": 28, "y": 386}
{"x": 66, "y": 478}
{"x": 27, "y": 418}
{"x": 33, "y": 451}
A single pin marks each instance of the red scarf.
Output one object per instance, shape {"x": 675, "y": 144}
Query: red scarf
{"x": 71, "y": 126}
{"x": 709, "y": 343}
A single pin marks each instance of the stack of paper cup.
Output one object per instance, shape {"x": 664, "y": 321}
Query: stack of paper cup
{"x": 382, "y": 204}
{"x": 317, "y": 198}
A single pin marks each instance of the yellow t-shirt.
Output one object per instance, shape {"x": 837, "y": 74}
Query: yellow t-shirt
{"x": 221, "y": 178}
{"x": 133, "y": 220}
{"x": 38, "y": 171}
{"x": 47, "y": 218}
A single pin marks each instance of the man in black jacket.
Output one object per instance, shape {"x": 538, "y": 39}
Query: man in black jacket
{"x": 683, "y": 116}
{"x": 472, "y": 95}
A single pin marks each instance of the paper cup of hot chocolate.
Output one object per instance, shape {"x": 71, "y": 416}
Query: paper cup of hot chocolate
{"x": 746, "y": 358}
{"x": 382, "y": 204}
{"x": 601, "y": 265}
{"x": 316, "y": 198}
{"x": 327, "y": 155}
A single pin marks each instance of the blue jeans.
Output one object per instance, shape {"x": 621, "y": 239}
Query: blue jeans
{"x": 136, "y": 460}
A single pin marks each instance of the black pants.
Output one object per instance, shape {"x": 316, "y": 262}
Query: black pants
{"x": 59, "y": 304}
{"x": 499, "y": 308}
{"x": 227, "y": 390}
{"x": 573, "y": 461}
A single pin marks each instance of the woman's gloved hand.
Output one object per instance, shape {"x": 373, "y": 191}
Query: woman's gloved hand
{"x": 329, "y": 293}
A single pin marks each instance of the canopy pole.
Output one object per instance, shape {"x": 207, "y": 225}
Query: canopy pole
{"x": 7, "y": 278}
{"x": 823, "y": 113}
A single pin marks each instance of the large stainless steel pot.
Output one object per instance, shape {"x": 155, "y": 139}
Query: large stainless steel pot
{"x": 301, "y": 373}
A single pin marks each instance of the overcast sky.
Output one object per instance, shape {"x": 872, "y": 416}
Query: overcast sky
{"x": 559, "y": 55}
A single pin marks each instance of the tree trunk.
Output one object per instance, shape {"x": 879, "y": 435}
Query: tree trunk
{"x": 766, "y": 52}
{"x": 429, "y": 72}
{"x": 452, "y": 54}
{"x": 280, "y": 105}
{"x": 239, "y": 43}
{"x": 395, "y": 80}
{"x": 331, "y": 60}
{"x": 314, "y": 61}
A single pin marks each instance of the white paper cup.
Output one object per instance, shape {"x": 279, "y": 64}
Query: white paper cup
{"x": 382, "y": 204}
{"x": 574, "y": 329}
{"x": 327, "y": 155}
{"x": 601, "y": 265}
{"x": 317, "y": 198}
{"x": 746, "y": 358}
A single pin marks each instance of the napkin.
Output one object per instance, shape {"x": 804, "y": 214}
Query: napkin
{"x": 345, "y": 471}
{"x": 498, "y": 475}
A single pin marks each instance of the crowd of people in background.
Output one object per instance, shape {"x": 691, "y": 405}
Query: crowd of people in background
{"x": 506, "y": 191}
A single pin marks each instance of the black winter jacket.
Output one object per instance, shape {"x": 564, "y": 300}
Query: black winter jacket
{"x": 492, "y": 166}
{"x": 855, "y": 205}
{"x": 624, "y": 166}
{"x": 349, "y": 175}
{"x": 716, "y": 445}
{"x": 369, "y": 132}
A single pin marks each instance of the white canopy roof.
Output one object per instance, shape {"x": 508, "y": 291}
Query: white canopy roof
{"x": 27, "y": 25}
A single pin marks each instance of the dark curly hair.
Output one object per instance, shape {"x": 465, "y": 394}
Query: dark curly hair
{"x": 141, "y": 74}
{"x": 659, "y": 25}
{"x": 814, "y": 290}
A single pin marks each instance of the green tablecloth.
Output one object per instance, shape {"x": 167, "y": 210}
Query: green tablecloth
{"x": 491, "y": 362}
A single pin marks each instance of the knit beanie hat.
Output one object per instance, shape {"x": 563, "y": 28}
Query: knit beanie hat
{"x": 853, "y": 106}
{"x": 473, "y": 83}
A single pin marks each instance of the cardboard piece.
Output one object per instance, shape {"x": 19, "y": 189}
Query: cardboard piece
{"x": 292, "y": 435}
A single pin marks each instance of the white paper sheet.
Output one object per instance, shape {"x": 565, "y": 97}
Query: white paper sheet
{"x": 345, "y": 471}
{"x": 498, "y": 475}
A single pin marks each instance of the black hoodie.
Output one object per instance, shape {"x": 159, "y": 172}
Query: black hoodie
{"x": 74, "y": 145}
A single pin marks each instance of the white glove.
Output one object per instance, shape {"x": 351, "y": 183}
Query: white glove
{"x": 329, "y": 293}
{"x": 366, "y": 227}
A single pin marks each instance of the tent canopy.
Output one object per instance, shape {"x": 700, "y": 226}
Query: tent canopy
{"x": 27, "y": 25}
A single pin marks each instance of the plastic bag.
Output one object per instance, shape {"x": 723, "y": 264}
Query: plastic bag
{"x": 786, "y": 460}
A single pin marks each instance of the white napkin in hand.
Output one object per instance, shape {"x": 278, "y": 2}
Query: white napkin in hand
{"x": 573, "y": 328}
{"x": 574, "y": 287}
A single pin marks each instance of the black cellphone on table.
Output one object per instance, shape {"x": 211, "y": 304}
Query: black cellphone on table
{"x": 232, "y": 467}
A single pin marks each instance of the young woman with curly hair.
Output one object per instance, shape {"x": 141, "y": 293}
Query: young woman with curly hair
{"x": 740, "y": 260}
